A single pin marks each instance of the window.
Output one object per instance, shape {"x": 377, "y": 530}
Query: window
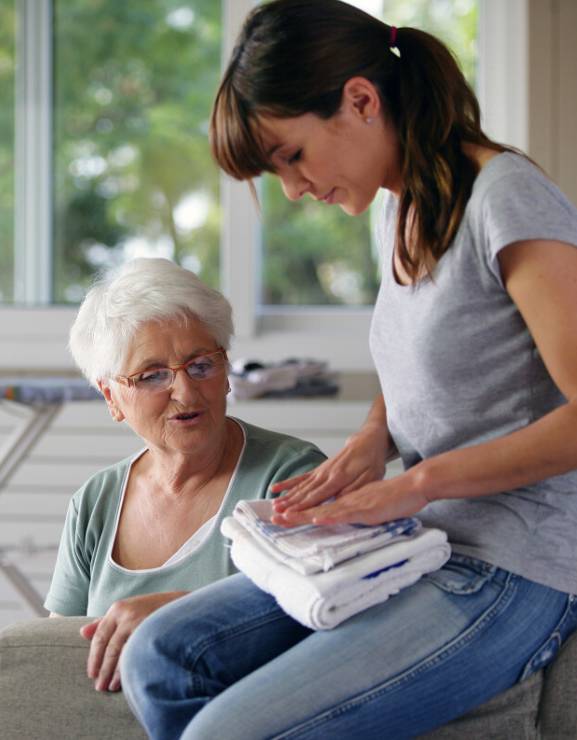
{"x": 313, "y": 255}
{"x": 7, "y": 110}
{"x": 119, "y": 166}
{"x": 133, "y": 86}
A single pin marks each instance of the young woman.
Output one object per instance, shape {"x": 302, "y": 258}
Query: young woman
{"x": 474, "y": 337}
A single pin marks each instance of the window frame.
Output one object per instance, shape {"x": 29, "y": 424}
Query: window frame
{"x": 33, "y": 337}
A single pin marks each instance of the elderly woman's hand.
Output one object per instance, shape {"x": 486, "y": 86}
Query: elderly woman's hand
{"x": 361, "y": 461}
{"x": 108, "y": 634}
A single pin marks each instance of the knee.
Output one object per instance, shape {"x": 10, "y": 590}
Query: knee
{"x": 138, "y": 653}
{"x": 164, "y": 637}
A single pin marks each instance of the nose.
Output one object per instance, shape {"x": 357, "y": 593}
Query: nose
{"x": 184, "y": 387}
{"x": 294, "y": 185}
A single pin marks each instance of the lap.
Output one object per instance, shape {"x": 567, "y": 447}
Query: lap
{"x": 429, "y": 654}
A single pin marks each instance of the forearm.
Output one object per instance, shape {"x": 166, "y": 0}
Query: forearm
{"x": 376, "y": 424}
{"x": 545, "y": 448}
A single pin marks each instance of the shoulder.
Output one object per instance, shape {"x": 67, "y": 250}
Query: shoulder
{"x": 274, "y": 444}
{"x": 269, "y": 457}
{"x": 512, "y": 201}
{"x": 508, "y": 179}
{"x": 102, "y": 489}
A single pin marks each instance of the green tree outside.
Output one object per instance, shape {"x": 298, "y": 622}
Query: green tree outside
{"x": 314, "y": 255}
{"x": 134, "y": 83}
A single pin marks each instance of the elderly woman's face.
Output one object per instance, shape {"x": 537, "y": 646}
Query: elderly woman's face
{"x": 190, "y": 415}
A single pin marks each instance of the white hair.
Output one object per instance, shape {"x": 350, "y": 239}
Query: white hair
{"x": 139, "y": 291}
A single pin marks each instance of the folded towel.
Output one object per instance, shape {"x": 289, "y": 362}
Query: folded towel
{"x": 324, "y": 600}
{"x": 309, "y": 548}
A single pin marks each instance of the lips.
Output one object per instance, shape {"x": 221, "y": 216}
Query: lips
{"x": 185, "y": 416}
{"x": 329, "y": 197}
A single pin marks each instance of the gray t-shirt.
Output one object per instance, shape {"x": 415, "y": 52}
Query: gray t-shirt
{"x": 87, "y": 580}
{"x": 458, "y": 366}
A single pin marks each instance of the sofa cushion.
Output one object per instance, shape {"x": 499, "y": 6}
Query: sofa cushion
{"x": 558, "y": 706}
{"x": 511, "y": 715}
{"x": 45, "y": 693}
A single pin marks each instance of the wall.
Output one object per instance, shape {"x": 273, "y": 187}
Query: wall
{"x": 552, "y": 94}
{"x": 83, "y": 439}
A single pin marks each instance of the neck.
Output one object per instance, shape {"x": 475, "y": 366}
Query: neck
{"x": 178, "y": 474}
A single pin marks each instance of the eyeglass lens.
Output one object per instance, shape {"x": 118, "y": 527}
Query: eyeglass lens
{"x": 199, "y": 368}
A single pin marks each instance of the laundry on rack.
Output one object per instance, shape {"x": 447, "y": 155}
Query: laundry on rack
{"x": 380, "y": 561}
{"x": 47, "y": 390}
{"x": 291, "y": 377}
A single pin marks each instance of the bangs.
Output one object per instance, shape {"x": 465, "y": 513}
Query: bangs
{"x": 234, "y": 141}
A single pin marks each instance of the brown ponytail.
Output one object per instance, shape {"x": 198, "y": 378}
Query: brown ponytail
{"x": 295, "y": 56}
{"x": 435, "y": 112}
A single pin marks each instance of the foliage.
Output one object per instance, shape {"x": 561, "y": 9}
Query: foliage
{"x": 316, "y": 255}
{"x": 134, "y": 83}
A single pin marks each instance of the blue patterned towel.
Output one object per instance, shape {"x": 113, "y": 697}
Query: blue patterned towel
{"x": 310, "y": 548}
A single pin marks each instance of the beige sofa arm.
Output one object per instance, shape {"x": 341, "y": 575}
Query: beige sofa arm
{"x": 45, "y": 693}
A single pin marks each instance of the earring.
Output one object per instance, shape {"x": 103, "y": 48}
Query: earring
{"x": 368, "y": 121}
{"x": 228, "y": 388}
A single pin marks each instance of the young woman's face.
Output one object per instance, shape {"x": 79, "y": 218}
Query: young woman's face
{"x": 342, "y": 161}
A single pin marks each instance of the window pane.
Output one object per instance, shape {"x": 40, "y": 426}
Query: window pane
{"x": 134, "y": 84}
{"x": 316, "y": 255}
{"x": 7, "y": 68}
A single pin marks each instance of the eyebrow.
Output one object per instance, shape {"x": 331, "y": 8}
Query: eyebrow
{"x": 153, "y": 362}
{"x": 275, "y": 148}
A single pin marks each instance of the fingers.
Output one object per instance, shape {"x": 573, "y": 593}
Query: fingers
{"x": 374, "y": 503}
{"x": 98, "y": 646}
{"x": 315, "y": 492}
{"x": 320, "y": 483}
{"x": 324, "y": 514}
{"x": 114, "y": 684}
{"x": 105, "y": 681}
{"x": 353, "y": 467}
{"x": 360, "y": 507}
{"x": 88, "y": 630}
{"x": 110, "y": 633}
{"x": 309, "y": 494}
{"x": 286, "y": 485}
{"x": 105, "y": 648}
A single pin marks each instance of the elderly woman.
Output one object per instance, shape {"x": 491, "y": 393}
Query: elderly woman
{"x": 153, "y": 338}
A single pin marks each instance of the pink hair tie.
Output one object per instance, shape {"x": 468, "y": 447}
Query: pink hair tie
{"x": 393, "y": 37}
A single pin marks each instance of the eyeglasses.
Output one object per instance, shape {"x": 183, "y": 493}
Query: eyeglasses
{"x": 202, "y": 367}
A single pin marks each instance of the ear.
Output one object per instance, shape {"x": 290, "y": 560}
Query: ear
{"x": 362, "y": 97}
{"x": 228, "y": 388}
{"x": 113, "y": 407}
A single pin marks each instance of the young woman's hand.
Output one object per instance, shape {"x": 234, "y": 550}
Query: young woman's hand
{"x": 374, "y": 503}
{"x": 108, "y": 634}
{"x": 361, "y": 461}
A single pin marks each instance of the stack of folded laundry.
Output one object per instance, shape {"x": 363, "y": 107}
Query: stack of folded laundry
{"x": 322, "y": 575}
{"x": 291, "y": 377}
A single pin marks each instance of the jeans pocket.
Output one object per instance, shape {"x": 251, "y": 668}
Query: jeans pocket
{"x": 462, "y": 575}
{"x": 547, "y": 652}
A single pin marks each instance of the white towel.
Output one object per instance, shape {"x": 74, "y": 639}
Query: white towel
{"x": 324, "y": 600}
{"x": 310, "y": 549}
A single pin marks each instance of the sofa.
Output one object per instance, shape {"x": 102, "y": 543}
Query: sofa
{"x": 46, "y": 695}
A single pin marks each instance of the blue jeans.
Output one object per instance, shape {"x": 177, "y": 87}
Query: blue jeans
{"x": 227, "y": 663}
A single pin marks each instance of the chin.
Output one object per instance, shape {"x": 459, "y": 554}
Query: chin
{"x": 354, "y": 209}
